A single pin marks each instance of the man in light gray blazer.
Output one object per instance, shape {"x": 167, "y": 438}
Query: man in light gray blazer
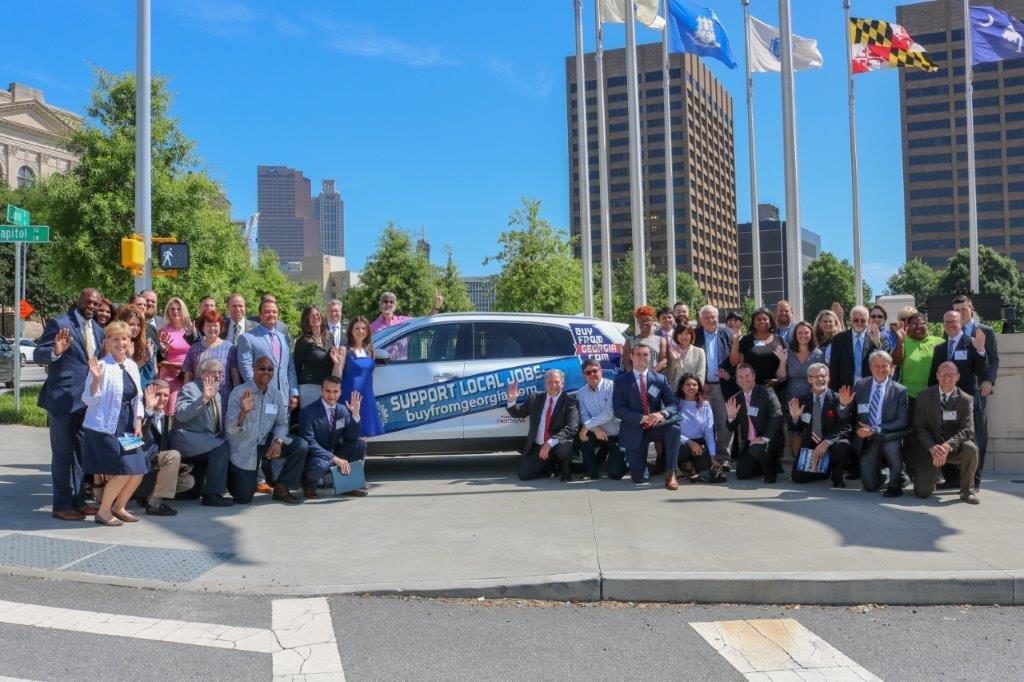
{"x": 198, "y": 432}
{"x": 266, "y": 340}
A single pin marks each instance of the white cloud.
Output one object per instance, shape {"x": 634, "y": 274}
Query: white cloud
{"x": 539, "y": 85}
{"x": 223, "y": 18}
{"x": 366, "y": 41}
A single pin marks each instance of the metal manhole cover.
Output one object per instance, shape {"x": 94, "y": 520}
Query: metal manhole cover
{"x": 151, "y": 563}
{"x": 39, "y": 551}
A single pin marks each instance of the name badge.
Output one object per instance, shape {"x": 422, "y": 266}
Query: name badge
{"x": 759, "y": 344}
{"x": 959, "y": 355}
{"x": 270, "y": 408}
{"x": 654, "y": 391}
{"x": 805, "y": 418}
{"x": 949, "y": 415}
{"x": 752, "y": 411}
{"x": 863, "y": 408}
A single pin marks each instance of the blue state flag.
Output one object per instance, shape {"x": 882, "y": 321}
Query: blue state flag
{"x": 996, "y": 35}
{"x": 696, "y": 29}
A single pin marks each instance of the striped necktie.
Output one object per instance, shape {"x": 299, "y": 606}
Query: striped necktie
{"x": 645, "y": 404}
{"x": 875, "y": 409}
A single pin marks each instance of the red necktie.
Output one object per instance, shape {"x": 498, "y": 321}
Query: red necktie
{"x": 644, "y": 403}
{"x": 547, "y": 419}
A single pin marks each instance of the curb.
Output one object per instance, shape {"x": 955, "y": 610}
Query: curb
{"x": 924, "y": 588}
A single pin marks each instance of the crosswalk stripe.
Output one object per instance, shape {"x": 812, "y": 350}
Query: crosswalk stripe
{"x": 309, "y": 649}
{"x": 779, "y": 650}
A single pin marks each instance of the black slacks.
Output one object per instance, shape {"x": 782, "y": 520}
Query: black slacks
{"x": 531, "y": 466}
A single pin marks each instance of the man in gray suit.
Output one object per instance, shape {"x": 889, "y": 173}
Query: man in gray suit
{"x": 198, "y": 432}
{"x": 266, "y": 340}
{"x": 881, "y": 421}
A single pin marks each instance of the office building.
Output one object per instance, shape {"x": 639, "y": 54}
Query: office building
{"x": 329, "y": 211}
{"x": 481, "y": 292}
{"x": 33, "y": 136}
{"x": 773, "y": 255}
{"x": 702, "y": 162}
{"x": 935, "y": 141}
{"x": 287, "y": 224}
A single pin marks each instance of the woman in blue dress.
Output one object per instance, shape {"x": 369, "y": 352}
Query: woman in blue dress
{"x": 358, "y": 376}
{"x": 114, "y": 408}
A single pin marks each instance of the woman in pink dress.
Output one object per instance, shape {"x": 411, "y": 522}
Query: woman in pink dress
{"x": 175, "y": 340}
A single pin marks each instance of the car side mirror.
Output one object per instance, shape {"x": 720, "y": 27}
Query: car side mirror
{"x": 381, "y": 357}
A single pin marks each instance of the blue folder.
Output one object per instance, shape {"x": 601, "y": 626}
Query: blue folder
{"x": 354, "y": 480}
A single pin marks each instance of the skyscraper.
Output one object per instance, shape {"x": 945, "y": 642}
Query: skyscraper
{"x": 935, "y": 140}
{"x": 773, "y": 255}
{"x": 329, "y": 211}
{"x": 286, "y": 218}
{"x": 702, "y": 162}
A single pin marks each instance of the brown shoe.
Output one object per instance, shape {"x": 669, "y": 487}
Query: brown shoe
{"x": 969, "y": 498}
{"x": 264, "y": 487}
{"x": 671, "y": 483}
{"x": 68, "y": 515}
{"x": 87, "y": 510}
{"x": 282, "y": 494}
{"x": 310, "y": 493}
{"x": 357, "y": 493}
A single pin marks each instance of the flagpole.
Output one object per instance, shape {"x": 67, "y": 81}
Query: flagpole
{"x": 858, "y": 280}
{"x": 972, "y": 186}
{"x": 636, "y": 192}
{"x": 794, "y": 258}
{"x": 602, "y": 161}
{"x": 755, "y": 218}
{"x": 670, "y": 188}
{"x": 583, "y": 168}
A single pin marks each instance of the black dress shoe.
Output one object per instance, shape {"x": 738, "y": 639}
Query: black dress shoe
{"x": 893, "y": 492}
{"x": 566, "y": 477}
{"x": 216, "y": 501}
{"x": 282, "y": 494}
{"x": 769, "y": 479}
{"x": 162, "y": 510}
{"x": 839, "y": 484}
{"x": 852, "y": 477}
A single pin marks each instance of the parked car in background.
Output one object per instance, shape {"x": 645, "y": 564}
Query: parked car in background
{"x": 6, "y": 364}
{"x": 27, "y": 348}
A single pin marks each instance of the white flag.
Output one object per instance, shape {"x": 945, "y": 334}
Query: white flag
{"x": 766, "y": 54}
{"x": 614, "y": 12}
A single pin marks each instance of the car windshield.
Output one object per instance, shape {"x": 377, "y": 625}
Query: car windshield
{"x": 384, "y": 336}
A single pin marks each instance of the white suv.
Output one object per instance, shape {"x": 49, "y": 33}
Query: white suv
{"x": 441, "y": 381}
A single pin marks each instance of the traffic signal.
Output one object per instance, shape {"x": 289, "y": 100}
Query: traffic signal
{"x": 133, "y": 254}
{"x": 173, "y": 256}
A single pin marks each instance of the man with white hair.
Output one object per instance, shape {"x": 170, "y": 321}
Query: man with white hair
{"x": 716, "y": 340}
{"x": 851, "y": 349}
{"x": 198, "y": 432}
{"x": 554, "y": 422}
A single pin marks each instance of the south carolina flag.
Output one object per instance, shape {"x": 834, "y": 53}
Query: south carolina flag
{"x": 766, "y": 53}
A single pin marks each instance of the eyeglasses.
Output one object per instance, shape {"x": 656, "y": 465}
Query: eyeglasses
{"x": 263, "y": 369}
{"x": 213, "y": 373}
{"x": 387, "y": 300}
{"x": 593, "y": 370}
{"x": 878, "y": 317}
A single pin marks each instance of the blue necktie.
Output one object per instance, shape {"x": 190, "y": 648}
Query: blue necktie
{"x": 875, "y": 410}
{"x": 712, "y": 341}
{"x": 858, "y": 355}
{"x": 950, "y": 349}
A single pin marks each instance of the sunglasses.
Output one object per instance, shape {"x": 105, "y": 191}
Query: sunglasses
{"x": 593, "y": 371}
{"x": 878, "y": 317}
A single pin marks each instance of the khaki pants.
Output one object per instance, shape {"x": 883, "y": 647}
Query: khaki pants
{"x": 168, "y": 481}
{"x": 926, "y": 474}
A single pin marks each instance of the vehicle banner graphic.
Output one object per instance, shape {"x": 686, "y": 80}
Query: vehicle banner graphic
{"x": 468, "y": 395}
{"x": 591, "y": 342}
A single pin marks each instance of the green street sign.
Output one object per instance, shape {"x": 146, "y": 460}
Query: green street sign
{"x": 17, "y": 216}
{"x": 30, "y": 233}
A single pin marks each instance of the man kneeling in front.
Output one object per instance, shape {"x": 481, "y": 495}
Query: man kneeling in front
{"x": 331, "y": 430}
{"x": 554, "y": 421}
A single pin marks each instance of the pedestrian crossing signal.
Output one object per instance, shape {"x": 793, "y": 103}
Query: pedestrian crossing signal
{"x": 174, "y": 256}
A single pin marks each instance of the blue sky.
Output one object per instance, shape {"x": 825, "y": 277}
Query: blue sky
{"x": 443, "y": 114}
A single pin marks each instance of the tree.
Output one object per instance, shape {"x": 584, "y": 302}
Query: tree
{"x": 826, "y": 280}
{"x": 450, "y": 284}
{"x": 396, "y": 266}
{"x": 539, "y": 272}
{"x": 997, "y": 274}
{"x": 687, "y": 290}
{"x": 44, "y": 298}
{"x": 914, "y": 278}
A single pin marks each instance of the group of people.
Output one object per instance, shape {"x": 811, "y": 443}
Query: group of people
{"x": 883, "y": 403}
{"x": 151, "y": 408}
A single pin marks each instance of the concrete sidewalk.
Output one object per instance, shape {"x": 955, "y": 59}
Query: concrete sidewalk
{"x": 464, "y": 526}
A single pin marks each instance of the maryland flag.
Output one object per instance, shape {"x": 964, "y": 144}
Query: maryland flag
{"x": 880, "y": 45}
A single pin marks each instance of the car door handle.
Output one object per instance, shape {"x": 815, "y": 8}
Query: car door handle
{"x": 445, "y": 377}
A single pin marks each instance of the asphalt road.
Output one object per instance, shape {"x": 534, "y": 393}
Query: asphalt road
{"x": 407, "y": 638}
{"x": 31, "y": 375}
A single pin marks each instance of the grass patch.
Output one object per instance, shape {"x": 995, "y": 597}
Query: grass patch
{"x": 30, "y": 414}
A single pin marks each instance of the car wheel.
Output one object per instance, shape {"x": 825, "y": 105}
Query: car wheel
{"x": 8, "y": 384}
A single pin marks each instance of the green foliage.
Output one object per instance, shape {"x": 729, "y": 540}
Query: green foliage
{"x": 747, "y": 311}
{"x": 396, "y": 266}
{"x": 829, "y": 279}
{"x": 92, "y": 208}
{"x": 449, "y": 282}
{"x": 997, "y": 274}
{"x": 30, "y": 414}
{"x": 40, "y": 294}
{"x": 914, "y": 278}
{"x": 539, "y": 272}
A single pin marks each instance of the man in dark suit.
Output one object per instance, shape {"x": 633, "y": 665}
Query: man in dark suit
{"x": 882, "y": 419}
{"x": 65, "y": 348}
{"x": 237, "y": 323}
{"x": 784, "y": 321}
{"x": 554, "y": 422}
{"x": 848, "y": 361}
{"x": 964, "y": 306}
{"x": 331, "y": 432}
{"x": 643, "y": 400}
{"x": 755, "y": 416}
{"x": 824, "y": 425}
{"x": 716, "y": 340}
{"x": 164, "y": 479}
{"x": 944, "y": 422}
